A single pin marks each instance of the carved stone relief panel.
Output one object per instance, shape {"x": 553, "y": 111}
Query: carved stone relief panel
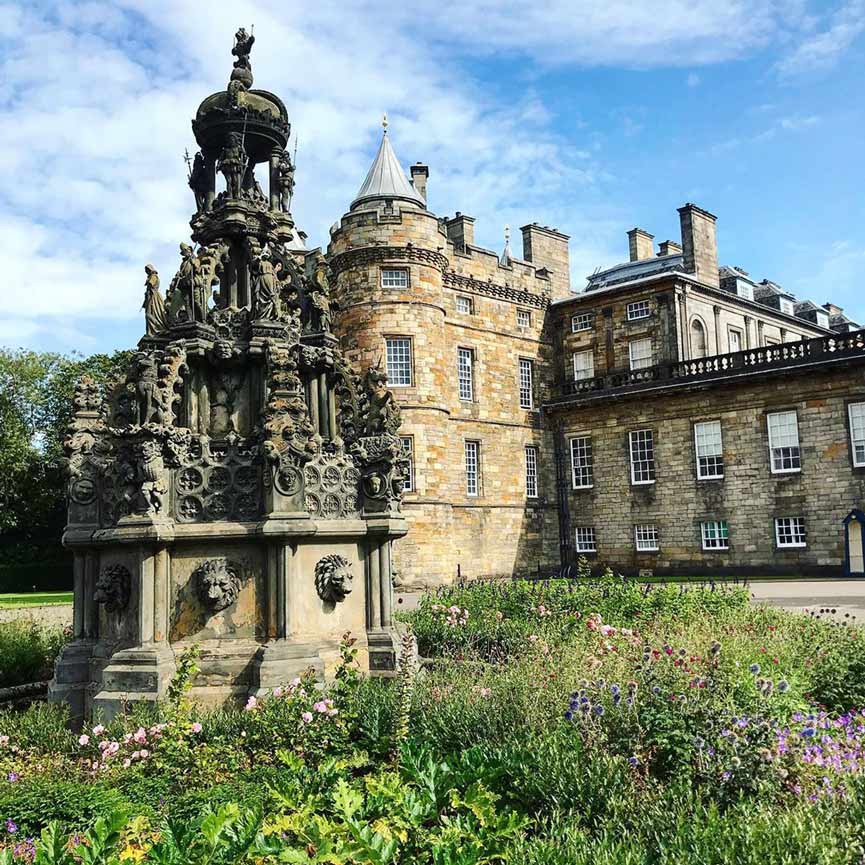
{"x": 331, "y": 483}
{"x": 222, "y": 481}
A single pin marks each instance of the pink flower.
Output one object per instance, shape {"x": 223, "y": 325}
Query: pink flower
{"x": 144, "y": 753}
{"x": 84, "y": 739}
{"x": 251, "y": 703}
{"x": 320, "y": 706}
{"x": 294, "y": 682}
{"x": 4, "y": 741}
{"x": 127, "y": 763}
{"x": 307, "y": 717}
{"x": 98, "y": 730}
{"x": 534, "y": 638}
{"x": 196, "y": 727}
{"x": 277, "y": 692}
{"x": 140, "y": 736}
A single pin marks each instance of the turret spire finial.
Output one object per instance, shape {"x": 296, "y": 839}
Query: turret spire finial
{"x": 384, "y": 122}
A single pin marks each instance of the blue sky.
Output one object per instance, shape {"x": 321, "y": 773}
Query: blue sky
{"x": 590, "y": 117}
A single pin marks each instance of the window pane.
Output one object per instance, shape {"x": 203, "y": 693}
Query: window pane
{"x": 394, "y": 278}
{"x": 407, "y": 443}
{"x": 784, "y": 441}
{"x": 581, "y": 321}
{"x": 584, "y": 365}
{"x": 398, "y": 361}
{"x": 526, "y": 383}
{"x": 585, "y": 538}
{"x": 581, "y": 462}
{"x": 464, "y": 373}
{"x": 790, "y": 531}
{"x": 641, "y": 353}
{"x": 524, "y": 318}
{"x": 532, "y": 472}
{"x": 646, "y": 537}
{"x": 640, "y": 309}
{"x": 464, "y": 304}
{"x": 472, "y": 468}
{"x": 856, "y": 412}
{"x": 642, "y": 456}
{"x": 715, "y": 535}
{"x": 707, "y": 438}
{"x": 735, "y": 340}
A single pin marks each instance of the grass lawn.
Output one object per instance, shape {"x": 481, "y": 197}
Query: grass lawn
{"x": 34, "y": 599}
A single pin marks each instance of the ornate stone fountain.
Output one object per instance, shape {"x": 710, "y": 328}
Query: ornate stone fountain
{"x": 240, "y": 487}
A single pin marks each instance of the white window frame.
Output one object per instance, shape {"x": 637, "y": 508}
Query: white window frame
{"x": 731, "y": 331}
{"x": 709, "y": 455}
{"x": 745, "y": 290}
{"x": 715, "y": 535}
{"x": 466, "y": 374}
{"x": 582, "y": 321}
{"x": 646, "y": 538}
{"x": 790, "y": 533}
{"x": 642, "y": 465}
{"x": 856, "y": 426}
{"x": 531, "y": 472}
{"x": 473, "y": 467}
{"x": 524, "y": 318}
{"x": 526, "y": 376}
{"x": 822, "y": 319}
{"x": 638, "y": 362}
{"x": 466, "y": 302}
{"x": 392, "y": 343}
{"x": 777, "y": 455}
{"x": 639, "y": 309}
{"x": 786, "y": 306}
{"x": 583, "y": 370}
{"x": 585, "y": 540}
{"x": 408, "y": 482}
{"x": 389, "y": 280}
{"x": 582, "y": 462}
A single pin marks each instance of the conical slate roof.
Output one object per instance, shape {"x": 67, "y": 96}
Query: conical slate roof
{"x": 386, "y": 179}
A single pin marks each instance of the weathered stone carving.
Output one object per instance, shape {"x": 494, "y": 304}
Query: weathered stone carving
{"x": 198, "y": 182}
{"x": 113, "y": 588}
{"x": 242, "y": 71}
{"x": 286, "y": 181}
{"x": 384, "y": 416}
{"x": 266, "y": 288}
{"x": 154, "y": 305}
{"x": 218, "y": 583}
{"x": 320, "y": 295}
{"x": 333, "y": 578}
{"x": 231, "y": 164}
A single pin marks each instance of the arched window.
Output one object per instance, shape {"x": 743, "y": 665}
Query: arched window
{"x": 698, "y": 338}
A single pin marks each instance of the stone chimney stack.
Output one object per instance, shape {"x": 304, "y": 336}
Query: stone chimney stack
{"x": 832, "y": 309}
{"x": 419, "y": 178}
{"x": 699, "y": 243}
{"x": 547, "y": 248}
{"x": 461, "y": 231}
{"x": 669, "y": 247}
{"x": 640, "y": 244}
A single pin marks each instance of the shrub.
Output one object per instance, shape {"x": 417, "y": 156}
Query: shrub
{"x": 27, "y": 652}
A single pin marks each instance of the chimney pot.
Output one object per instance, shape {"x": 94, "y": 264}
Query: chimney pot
{"x": 419, "y": 178}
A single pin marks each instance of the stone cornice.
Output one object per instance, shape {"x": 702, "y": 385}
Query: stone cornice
{"x": 367, "y": 255}
{"x": 502, "y": 292}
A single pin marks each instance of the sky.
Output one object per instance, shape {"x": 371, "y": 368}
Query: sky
{"x": 590, "y": 117}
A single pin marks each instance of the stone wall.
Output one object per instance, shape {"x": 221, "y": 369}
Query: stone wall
{"x": 749, "y": 497}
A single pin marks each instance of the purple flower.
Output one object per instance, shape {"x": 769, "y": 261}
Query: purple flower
{"x": 12, "y": 777}
{"x": 754, "y": 668}
{"x": 783, "y": 686}
{"x": 11, "y": 828}
{"x": 633, "y": 761}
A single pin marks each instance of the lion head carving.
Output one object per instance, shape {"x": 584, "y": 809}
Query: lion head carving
{"x": 218, "y": 583}
{"x": 112, "y": 588}
{"x": 333, "y": 578}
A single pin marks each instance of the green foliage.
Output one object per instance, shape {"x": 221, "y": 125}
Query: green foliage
{"x": 27, "y": 652}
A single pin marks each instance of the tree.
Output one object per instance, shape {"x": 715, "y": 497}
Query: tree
{"x": 36, "y": 392}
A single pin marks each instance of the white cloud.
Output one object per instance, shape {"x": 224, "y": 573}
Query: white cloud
{"x": 822, "y": 50}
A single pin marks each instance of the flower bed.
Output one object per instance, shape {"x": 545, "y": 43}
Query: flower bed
{"x": 598, "y": 722}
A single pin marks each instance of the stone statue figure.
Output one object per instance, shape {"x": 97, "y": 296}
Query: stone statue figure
{"x": 320, "y": 296}
{"x": 154, "y": 305}
{"x": 286, "y": 181}
{"x": 223, "y": 400}
{"x": 198, "y": 182}
{"x": 153, "y": 484}
{"x": 146, "y": 371}
{"x": 266, "y": 288}
{"x": 384, "y": 415}
{"x": 183, "y": 287}
{"x": 232, "y": 164}
{"x": 243, "y": 43}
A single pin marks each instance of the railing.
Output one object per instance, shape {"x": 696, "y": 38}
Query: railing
{"x": 766, "y": 358}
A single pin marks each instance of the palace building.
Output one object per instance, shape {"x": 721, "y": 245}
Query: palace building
{"x": 673, "y": 416}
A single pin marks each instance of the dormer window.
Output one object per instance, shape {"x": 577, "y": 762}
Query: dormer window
{"x": 823, "y": 319}
{"x": 786, "y": 305}
{"x": 745, "y": 290}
